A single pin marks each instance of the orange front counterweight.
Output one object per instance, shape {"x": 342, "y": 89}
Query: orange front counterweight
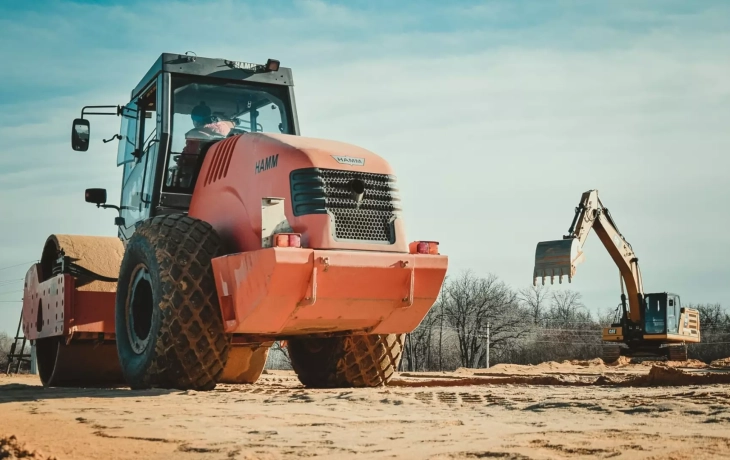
{"x": 293, "y": 291}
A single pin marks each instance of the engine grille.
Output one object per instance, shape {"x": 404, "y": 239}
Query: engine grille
{"x": 330, "y": 191}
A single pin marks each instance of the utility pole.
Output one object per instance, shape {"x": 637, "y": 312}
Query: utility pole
{"x": 487, "y": 344}
{"x": 441, "y": 334}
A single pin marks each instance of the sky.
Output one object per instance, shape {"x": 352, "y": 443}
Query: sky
{"x": 495, "y": 115}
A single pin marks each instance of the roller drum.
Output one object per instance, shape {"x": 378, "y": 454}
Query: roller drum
{"x": 86, "y": 361}
{"x": 99, "y": 254}
{"x": 78, "y": 364}
{"x": 245, "y": 364}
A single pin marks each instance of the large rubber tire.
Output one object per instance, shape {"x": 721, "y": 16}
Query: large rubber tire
{"x": 354, "y": 361}
{"x": 169, "y": 328}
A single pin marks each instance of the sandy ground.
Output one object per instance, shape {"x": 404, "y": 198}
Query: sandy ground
{"x": 553, "y": 410}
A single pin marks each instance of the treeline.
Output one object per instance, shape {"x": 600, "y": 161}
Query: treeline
{"x": 521, "y": 326}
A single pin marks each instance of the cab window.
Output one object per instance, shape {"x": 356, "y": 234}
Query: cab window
{"x": 128, "y": 141}
{"x": 207, "y": 111}
{"x": 655, "y": 314}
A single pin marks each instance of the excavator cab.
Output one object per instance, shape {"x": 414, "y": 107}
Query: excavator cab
{"x": 661, "y": 312}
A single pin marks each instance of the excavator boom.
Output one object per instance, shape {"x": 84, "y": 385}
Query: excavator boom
{"x": 560, "y": 257}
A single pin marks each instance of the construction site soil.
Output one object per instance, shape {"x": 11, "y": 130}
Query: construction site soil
{"x": 572, "y": 409}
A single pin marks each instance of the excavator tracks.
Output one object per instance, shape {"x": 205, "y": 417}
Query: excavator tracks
{"x": 611, "y": 353}
{"x": 677, "y": 352}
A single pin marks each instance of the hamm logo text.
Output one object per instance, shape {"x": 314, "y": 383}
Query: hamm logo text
{"x": 354, "y": 161}
{"x": 267, "y": 163}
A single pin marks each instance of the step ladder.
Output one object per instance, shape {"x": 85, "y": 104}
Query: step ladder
{"x": 16, "y": 357}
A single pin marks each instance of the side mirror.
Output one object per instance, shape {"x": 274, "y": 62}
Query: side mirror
{"x": 80, "y": 135}
{"x": 96, "y": 195}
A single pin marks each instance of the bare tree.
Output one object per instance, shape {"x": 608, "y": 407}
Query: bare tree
{"x": 534, "y": 299}
{"x": 418, "y": 347}
{"x": 609, "y": 316}
{"x": 566, "y": 309}
{"x": 5, "y": 344}
{"x": 470, "y": 303}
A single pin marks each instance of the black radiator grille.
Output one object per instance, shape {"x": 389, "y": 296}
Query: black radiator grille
{"x": 322, "y": 191}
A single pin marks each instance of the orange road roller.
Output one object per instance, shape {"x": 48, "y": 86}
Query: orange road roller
{"x": 234, "y": 232}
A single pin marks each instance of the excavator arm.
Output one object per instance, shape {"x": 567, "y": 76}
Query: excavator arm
{"x": 560, "y": 257}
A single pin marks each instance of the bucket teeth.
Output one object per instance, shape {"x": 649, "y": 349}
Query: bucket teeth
{"x": 556, "y": 258}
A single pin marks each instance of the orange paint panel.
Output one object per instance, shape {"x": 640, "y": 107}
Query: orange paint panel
{"x": 430, "y": 271}
{"x": 257, "y": 289}
{"x": 93, "y": 312}
{"x": 299, "y": 291}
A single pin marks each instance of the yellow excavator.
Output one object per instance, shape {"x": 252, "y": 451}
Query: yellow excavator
{"x": 651, "y": 325}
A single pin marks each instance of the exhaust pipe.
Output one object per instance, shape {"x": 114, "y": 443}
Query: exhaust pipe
{"x": 357, "y": 190}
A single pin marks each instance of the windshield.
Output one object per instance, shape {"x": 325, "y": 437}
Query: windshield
{"x": 206, "y": 111}
{"x": 655, "y": 315}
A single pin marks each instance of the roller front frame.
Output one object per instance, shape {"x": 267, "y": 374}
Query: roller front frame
{"x": 283, "y": 292}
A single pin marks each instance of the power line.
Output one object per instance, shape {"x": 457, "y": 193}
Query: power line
{"x": 6, "y": 282}
{"x": 18, "y": 265}
{"x": 600, "y": 344}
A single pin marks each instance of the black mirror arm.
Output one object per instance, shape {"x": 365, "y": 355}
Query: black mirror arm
{"x": 119, "y": 220}
{"x": 117, "y": 110}
{"x": 116, "y": 136}
{"x": 109, "y": 206}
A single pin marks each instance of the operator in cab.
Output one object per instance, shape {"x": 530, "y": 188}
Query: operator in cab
{"x": 206, "y": 128}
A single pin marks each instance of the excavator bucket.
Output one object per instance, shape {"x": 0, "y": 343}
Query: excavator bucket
{"x": 556, "y": 258}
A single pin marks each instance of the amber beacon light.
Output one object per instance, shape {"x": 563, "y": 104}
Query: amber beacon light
{"x": 424, "y": 247}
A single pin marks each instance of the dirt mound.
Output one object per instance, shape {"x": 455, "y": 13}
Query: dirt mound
{"x": 11, "y": 449}
{"x": 512, "y": 380}
{"x": 591, "y": 362}
{"x": 724, "y": 362}
{"x": 621, "y": 361}
{"x": 670, "y": 376}
{"x": 691, "y": 363}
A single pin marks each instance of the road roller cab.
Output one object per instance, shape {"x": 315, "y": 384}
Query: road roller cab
{"x": 234, "y": 232}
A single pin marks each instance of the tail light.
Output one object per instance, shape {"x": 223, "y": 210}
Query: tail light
{"x": 424, "y": 247}
{"x": 288, "y": 240}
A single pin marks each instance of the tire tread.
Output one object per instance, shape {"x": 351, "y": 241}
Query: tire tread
{"x": 352, "y": 361}
{"x": 189, "y": 351}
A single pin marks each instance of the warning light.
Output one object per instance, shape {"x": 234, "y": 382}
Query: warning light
{"x": 272, "y": 65}
{"x": 424, "y": 247}
{"x": 288, "y": 240}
